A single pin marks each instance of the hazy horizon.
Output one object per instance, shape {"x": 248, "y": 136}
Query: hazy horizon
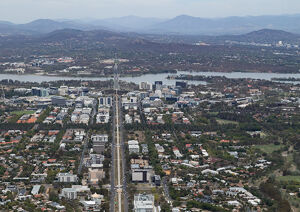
{"x": 162, "y": 18}
{"x": 23, "y": 11}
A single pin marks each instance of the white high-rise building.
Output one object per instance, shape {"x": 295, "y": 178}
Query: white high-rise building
{"x": 63, "y": 90}
{"x": 144, "y": 203}
{"x": 145, "y": 86}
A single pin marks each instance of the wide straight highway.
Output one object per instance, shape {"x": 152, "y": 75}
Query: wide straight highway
{"x": 118, "y": 191}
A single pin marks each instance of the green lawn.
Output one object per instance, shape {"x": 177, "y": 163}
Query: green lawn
{"x": 289, "y": 178}
{"x": 22, "y": 112}
{"x": 289, "y": 158}
{"x": 269, "y": 148}
{"x": 17, "y": 114}
{"x": 263, "y": 135}
{"x": 223, "y": 121}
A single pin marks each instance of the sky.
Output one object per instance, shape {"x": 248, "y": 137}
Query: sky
{"x": 22, "y": 11}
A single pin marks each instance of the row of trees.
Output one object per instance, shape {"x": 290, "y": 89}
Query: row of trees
{"x": 153, "y": 156}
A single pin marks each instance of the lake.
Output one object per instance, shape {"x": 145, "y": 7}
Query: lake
{"x": 151, "y": 78}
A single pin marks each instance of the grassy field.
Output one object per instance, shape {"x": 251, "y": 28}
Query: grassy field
{"x": 269, "y": 148}
{"x": 22, "y": 112}
{"x": 222, "y": 121}
{"x": 263, "y": 135}
{"x": 17, "y": 114}
{"x": 289, "y": 178}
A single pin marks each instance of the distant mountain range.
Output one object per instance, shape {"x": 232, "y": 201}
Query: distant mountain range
{"x": 182, "y": 29}
{"x": 129, "y": 23}
{"x": 265, "y": 36}
{"x": 41, "y": 26}
{"x": 222, "y": 26}
{"x": 180, "y": 25}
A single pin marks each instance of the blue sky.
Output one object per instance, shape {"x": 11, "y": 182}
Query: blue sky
{"x": 21, "y": 11}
